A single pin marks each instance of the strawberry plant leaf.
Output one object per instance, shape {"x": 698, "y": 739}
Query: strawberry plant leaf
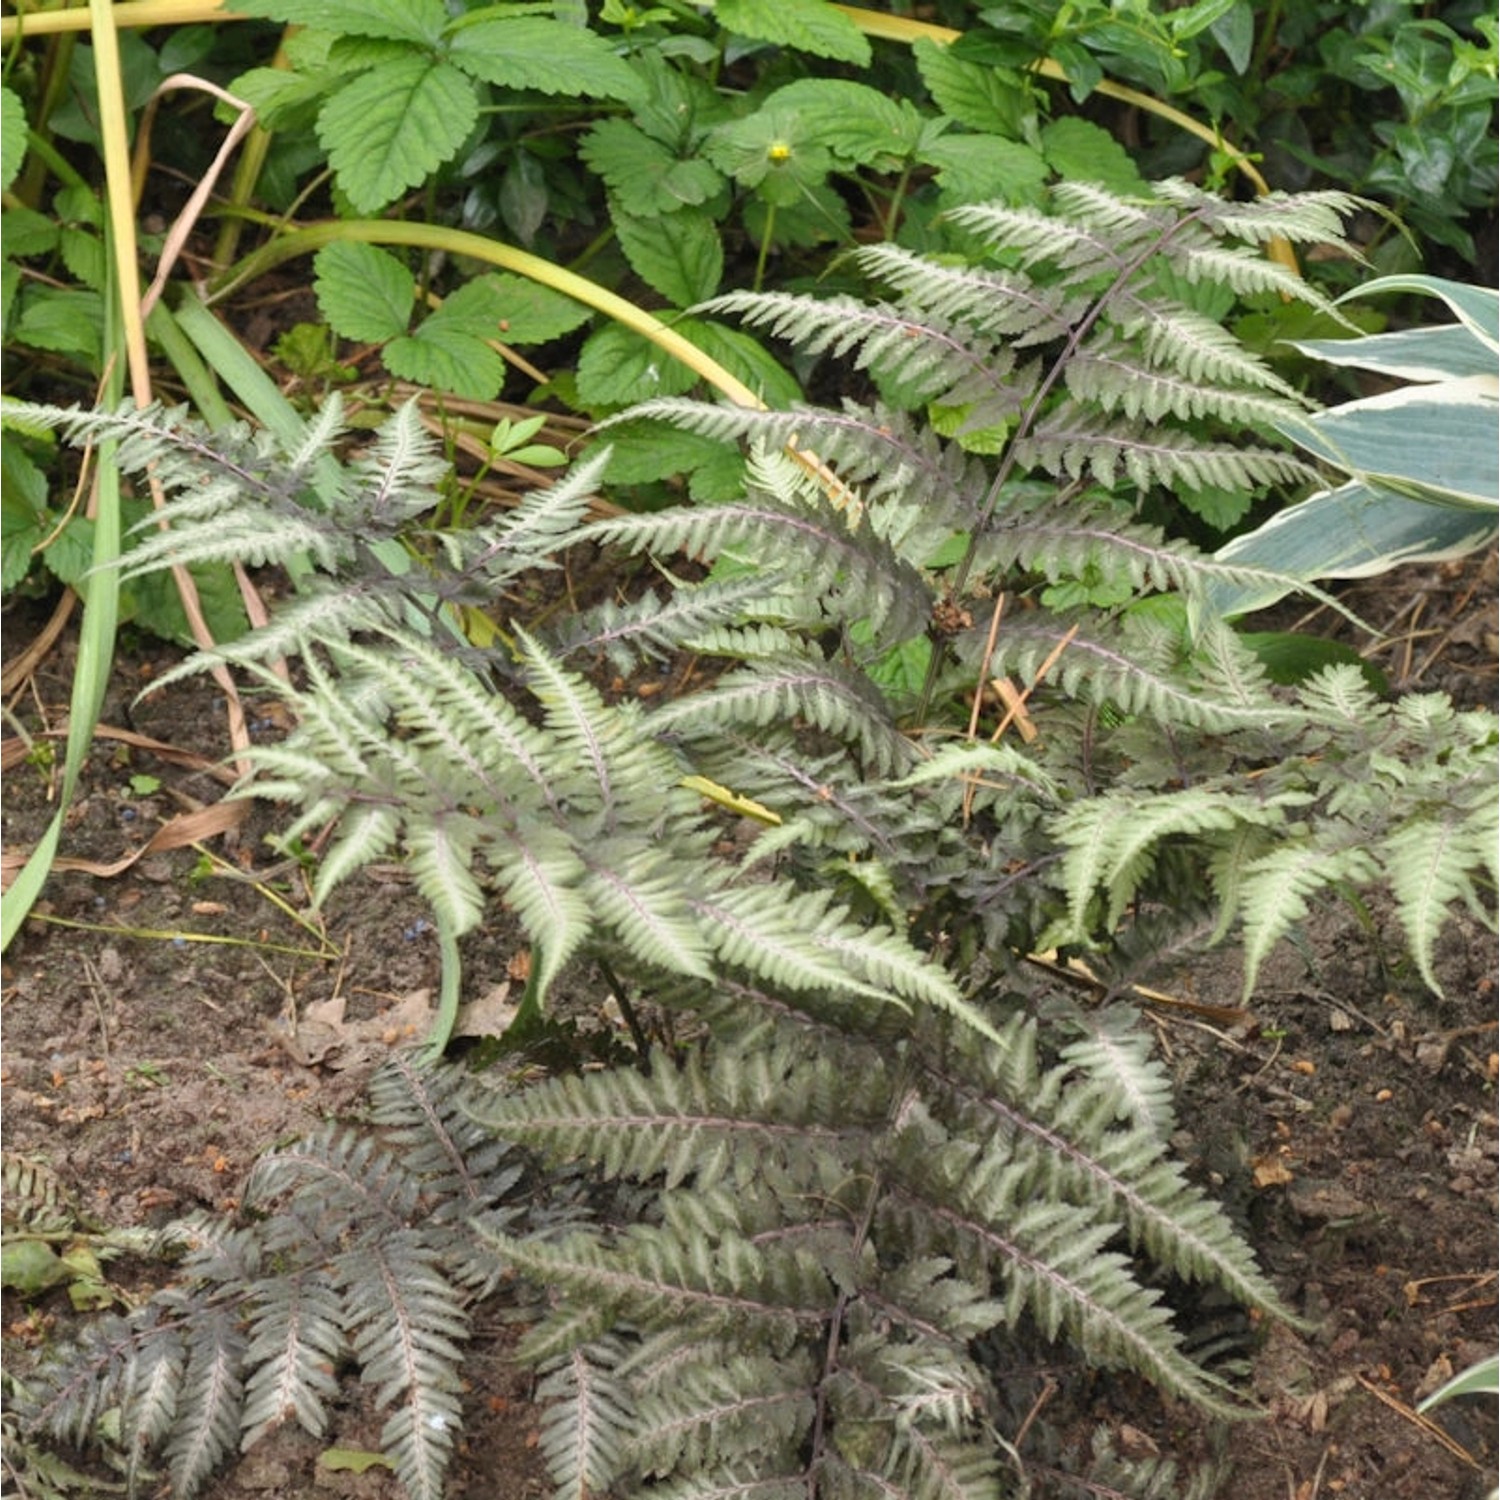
{"x": 533, "y": 52}
{"x": 1080, "y": 151}
{"x": 392, "y": 127}
{"x": 616, "y": 365}
{"x": 806, "y": 25}
{"x": 447, "y": 358}
{"x": 643, "y": 173}
{"x": 987, "y": 99}
{"x": 419, "y": 21}
{"x": 284, "y": 99}
{"x": 529, "y": 313}
{"x": 683, "y": 260}
{"x": 746, "y": 359}
{"x": 364, "y": 293}
{"x": 859, "y": 125}
{"x": 12, "y": 136}
{"x": 980, "y": 168}
{"x": 449, "y": 349}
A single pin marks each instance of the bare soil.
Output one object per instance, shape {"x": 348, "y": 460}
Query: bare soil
{"x": 163, "y": 1025}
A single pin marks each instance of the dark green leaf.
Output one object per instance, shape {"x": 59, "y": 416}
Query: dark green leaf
{"x": 1234, "y": 31}
{"x": 1290, "y": 657}
{"x": 523, "y": 199}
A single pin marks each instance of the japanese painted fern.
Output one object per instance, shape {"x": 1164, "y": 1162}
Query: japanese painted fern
{"x": 894, "y": 1157}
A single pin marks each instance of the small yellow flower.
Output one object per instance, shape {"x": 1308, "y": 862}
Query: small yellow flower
{"x": 778, "y": 152}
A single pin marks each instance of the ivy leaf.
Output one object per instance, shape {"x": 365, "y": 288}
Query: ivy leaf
{"x": 392, "y": 127}
{"x": 682, "y": 260}
{"x": 992, "y": 100}
{"x": 533, "y": 52}
{"x": 12, "y": 136}
{"x": 419, "y": 21}
{"x": 807, "y": 25}
{"x": 364, "y": 293}
{"x": 1080, "y": 151}
{"x": 643, "y": 173}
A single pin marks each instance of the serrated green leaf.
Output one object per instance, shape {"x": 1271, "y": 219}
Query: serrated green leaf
{"x": 392, "y": 127}
{"x": 83, "y": 254}
{"x": 1081, "y": 151}
{"x": 983, "y": 98}
{"x": 643, "y": 173}
{"x": 981, "y": 168}
{"x": 64, "y": 321}
{"x": 682, "y": 259}
{"x": 531, "y": 313}
{"x": 806, "y": 25}
{"x": 447, "y": 359}
{"x": 858, "y": 124}
{"x": 533, "y": 52}
{"x": 23, "y": 493}
{"x": 30, "y": 1267}
{"x": 773, "y": 151}
{"x": 282, "y": 98}
{"x": 745, "y": 358}
{"x": 420, "y": 21}
{"x": 12, "y": 137}
{"x": 640, "y": 452}
{"x": 617, "y": 366}
{"x": 364, "y": 292}
{"x": 24, "y": 232}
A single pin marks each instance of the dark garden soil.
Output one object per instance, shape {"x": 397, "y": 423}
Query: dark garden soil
{"x": 163, "y": 1025}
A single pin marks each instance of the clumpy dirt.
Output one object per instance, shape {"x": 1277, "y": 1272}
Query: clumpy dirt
{"x": 164, "y": 1024}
